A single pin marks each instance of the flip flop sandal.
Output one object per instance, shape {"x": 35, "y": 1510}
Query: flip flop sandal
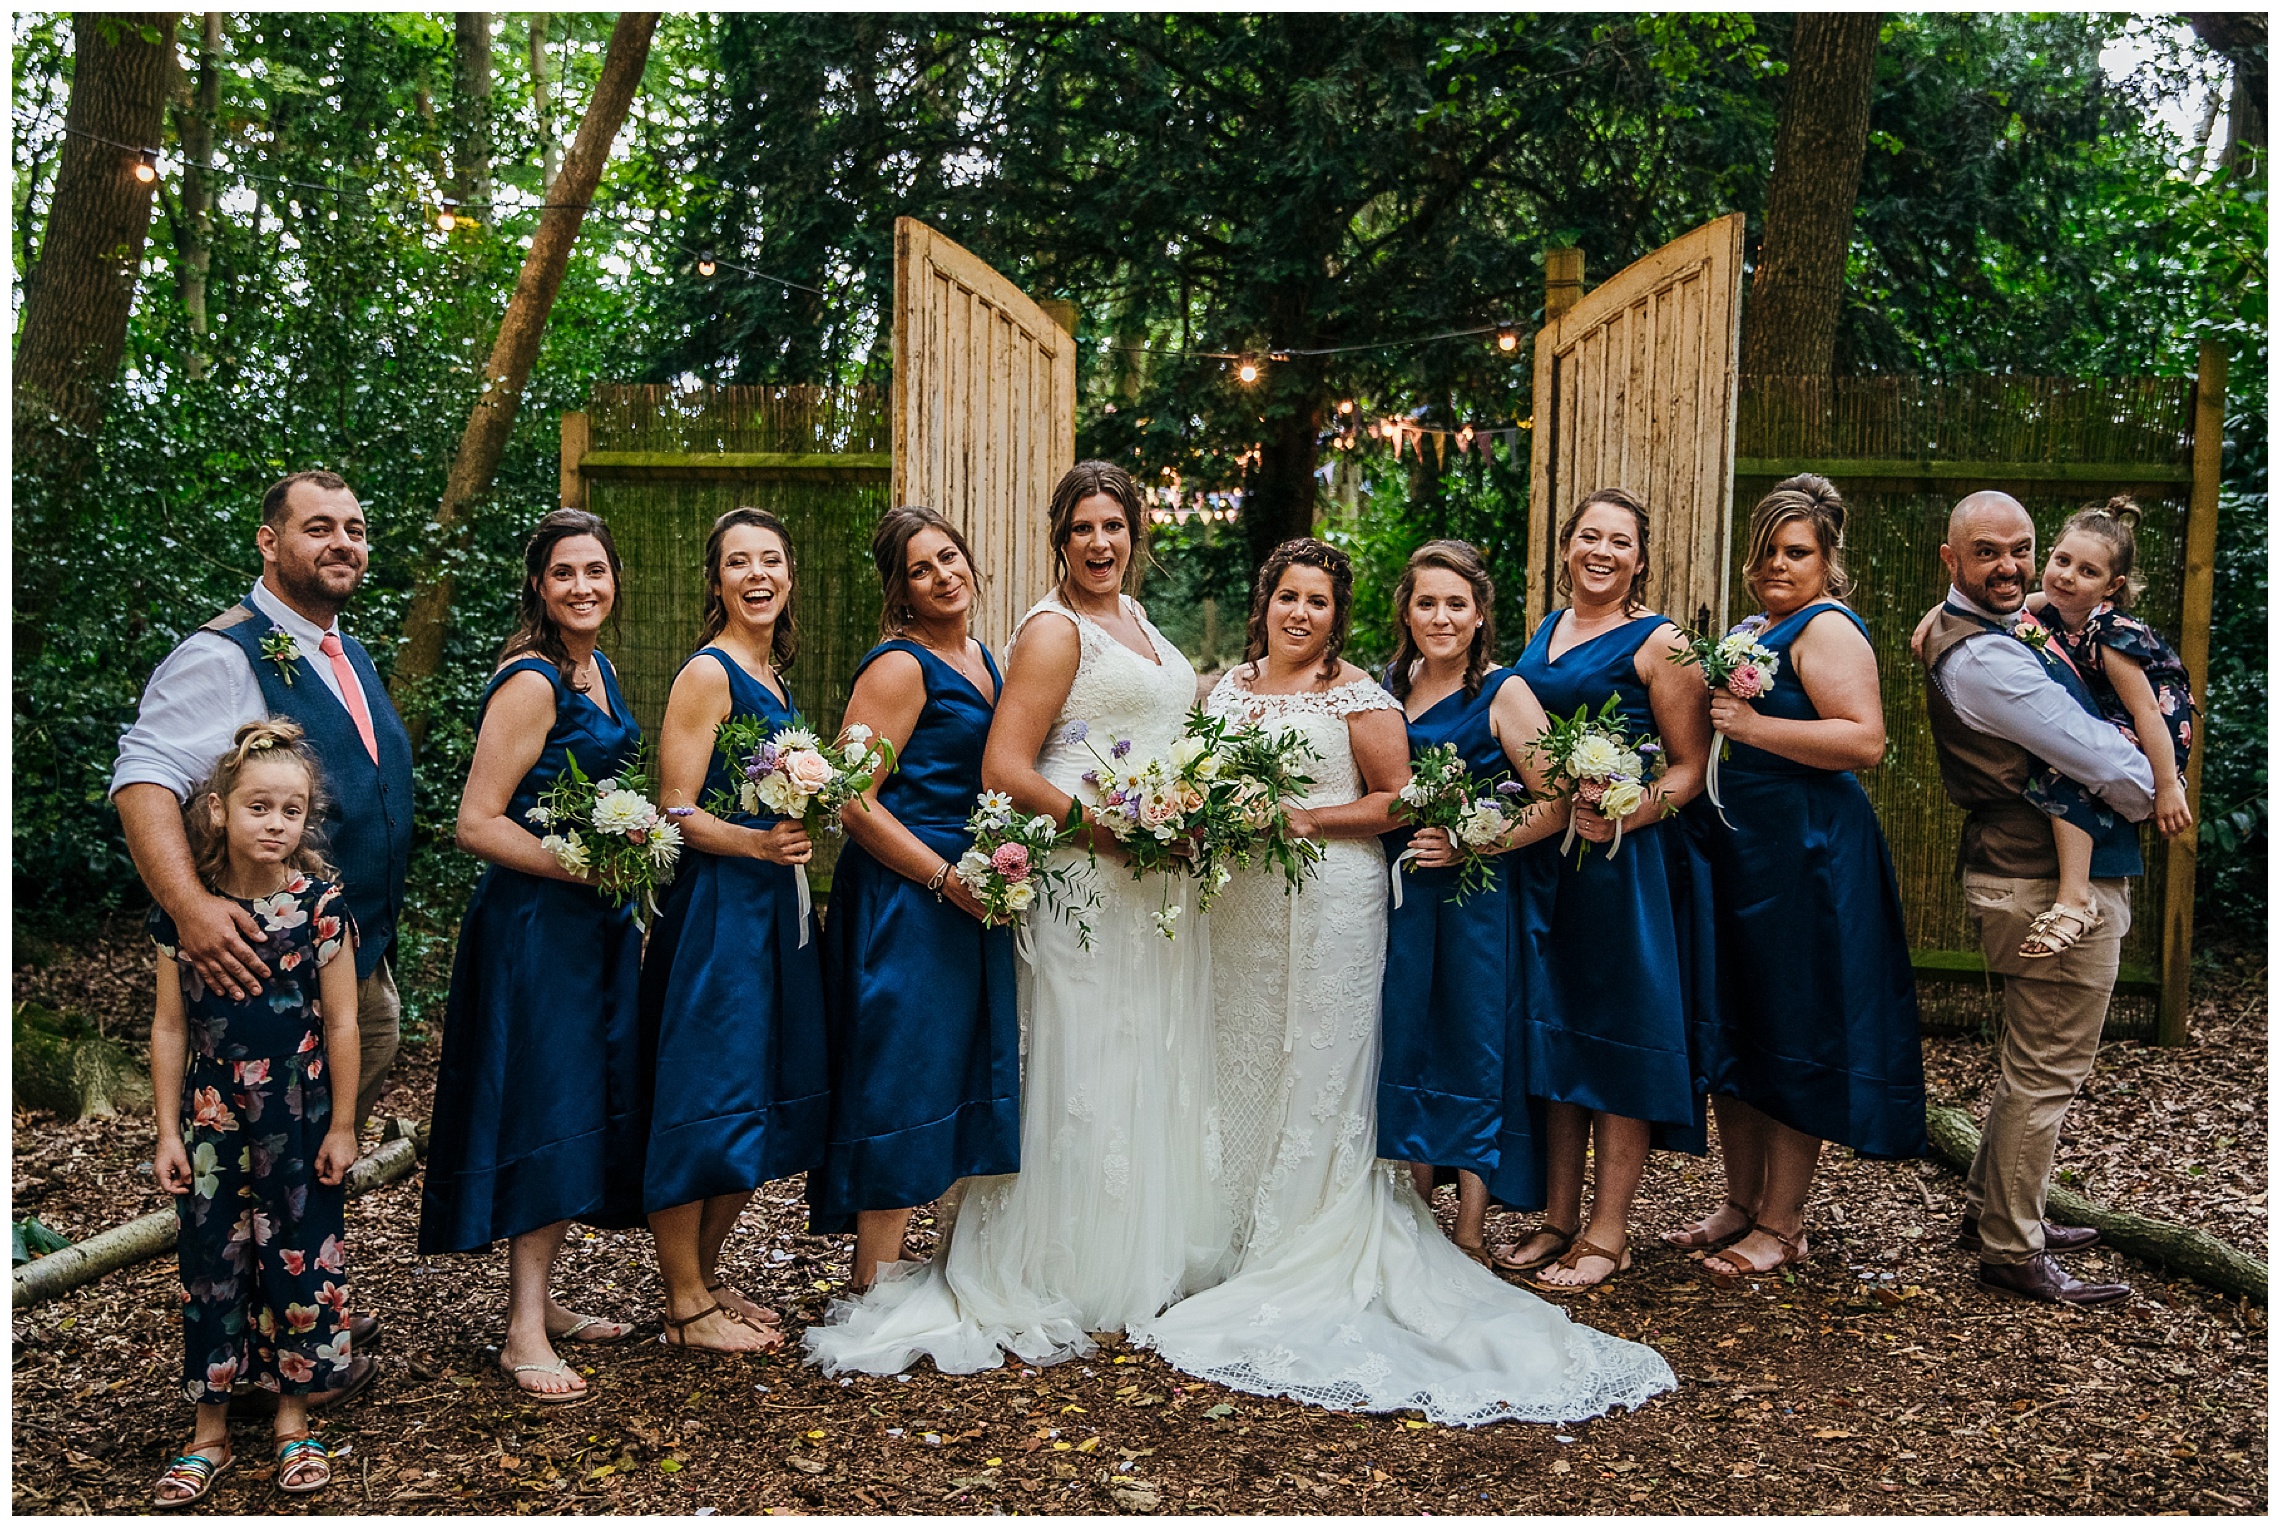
{"x": 1691, "y": 1239}
{"x": 676, "y": 1334}
{"x": 1734, "y": 1269}
{"x": 766, "y": 1315}
{"x": 579, "y": 1325}
{"x": 1574, "y": 1257}
{"x": 305, "y": 1455}
{"x": 1509, "y": 1265}
{"x": 194, "y": 1470}
{"x": 515, "y": 1372}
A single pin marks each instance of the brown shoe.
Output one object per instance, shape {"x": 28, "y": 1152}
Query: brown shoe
{"x": 2041, "y": 1278}
{"x": 2056, "y": 1238}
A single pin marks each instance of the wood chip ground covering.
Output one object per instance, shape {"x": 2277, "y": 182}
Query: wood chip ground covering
{"x": 1879, "y": 1380}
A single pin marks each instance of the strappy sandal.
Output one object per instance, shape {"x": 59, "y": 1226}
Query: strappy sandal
{"x": 515, "y": 1372}
{"x": 194, "y": 1470}
{"x": 1477, "y": 1251}
{"x": 2060, "y": 929}
{"x": 583, "y": 1322}
{"x": 676, "y": 1333}
{"x": 1734, "y": 1269}
{"x": 1512, "y": 1265}
{"x": 1693, "y": 1239}
{"x": 1573, "y": 1258}
{"x": 766, "y": 1317}
{"x": 299, "y": 1458}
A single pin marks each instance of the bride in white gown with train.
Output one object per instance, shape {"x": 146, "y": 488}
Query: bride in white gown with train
{"x": 1344, "y": 1292}
{"x": 1116, "y": 1211}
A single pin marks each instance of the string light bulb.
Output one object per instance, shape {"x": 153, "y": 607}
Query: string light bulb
{"x": 146, "y": 166}
{"x": 1247, "y": 370}
{"x": 1507, "y": 339}
{"x": 447, "y": 216}
{"x": 1345, "y": 405}
{"x": 705, "y": 266}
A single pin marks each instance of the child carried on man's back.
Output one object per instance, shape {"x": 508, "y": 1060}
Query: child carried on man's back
{"x": 2136, "y": 682}
{"x": 248, "y": 1139}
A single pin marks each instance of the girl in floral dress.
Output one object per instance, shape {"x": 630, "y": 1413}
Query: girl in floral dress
{"x": 2134, "y": 679}
{"x": 248, "y": 1139}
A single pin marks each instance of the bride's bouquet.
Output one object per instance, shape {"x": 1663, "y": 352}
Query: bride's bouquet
{"x": 611, "y": 830}
{"x": 790, "y": 774}
{"x": 1262, "y": 770}
{"x": 1739, "y": 664}
{"x": 1158, "y": 811}
{"x": 1009, "y": 868}
{"x": 1604, "y": 765}
{"x": 1476, "y": 815}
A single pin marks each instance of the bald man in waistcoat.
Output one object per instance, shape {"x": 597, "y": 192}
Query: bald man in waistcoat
{"x": 1998, "y": 704}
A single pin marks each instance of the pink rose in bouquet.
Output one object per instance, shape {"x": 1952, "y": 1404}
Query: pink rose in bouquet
{"x": 809, "y": 770}
{"x": 1011, "y": 861}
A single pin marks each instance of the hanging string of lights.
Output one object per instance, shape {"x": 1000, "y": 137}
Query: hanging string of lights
{"x": 450, "y": 212}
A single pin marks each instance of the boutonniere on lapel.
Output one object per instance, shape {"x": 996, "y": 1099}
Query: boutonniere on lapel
{"x": 280, "y": 648}
{"x": 2031, "y": 631}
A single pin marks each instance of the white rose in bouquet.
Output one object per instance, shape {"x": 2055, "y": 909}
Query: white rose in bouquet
{"x": 1019, "y": 895}
{"x": 1621, "y": 800}
{"x": 972, "y": 866}
{"x": 780, "y": 796}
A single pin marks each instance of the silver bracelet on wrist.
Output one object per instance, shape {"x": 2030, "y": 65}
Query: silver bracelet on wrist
{"x": 935, "y": 882}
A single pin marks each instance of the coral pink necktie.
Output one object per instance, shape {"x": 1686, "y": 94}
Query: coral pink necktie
{"x": 351, "y": 692}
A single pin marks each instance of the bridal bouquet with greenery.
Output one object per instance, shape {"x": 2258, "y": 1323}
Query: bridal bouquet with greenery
{"x": 1607, "y": 769}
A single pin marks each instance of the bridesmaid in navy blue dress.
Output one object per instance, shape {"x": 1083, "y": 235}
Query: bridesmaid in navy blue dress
{"x": 1620, "y": 976}
{"x": 1451, "y": 1092}
{"x": 537, "y": 1116}
{"x": 1817, "y": 1034}
{"x": 925, "y": 1040}
{"x": 732, "y": 988}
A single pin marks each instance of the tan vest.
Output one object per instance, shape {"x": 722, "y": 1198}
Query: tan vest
{"x": 2002, "y": 834}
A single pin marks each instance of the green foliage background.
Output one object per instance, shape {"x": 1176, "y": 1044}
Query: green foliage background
{"x": 1192, "y": 182}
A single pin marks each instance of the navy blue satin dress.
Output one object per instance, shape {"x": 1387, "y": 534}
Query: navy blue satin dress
{"x": 538, "y": 1099}
{"x": 1450, "y": 1087}
{"x": 1817, "y": 1001}
{"x": 1620, "y": 976}
{"x": 925, "y": 1038}
{"x": 732, "y": 1009}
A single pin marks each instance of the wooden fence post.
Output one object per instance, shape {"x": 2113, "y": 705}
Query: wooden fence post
{"x": 576, "y": 437}
{"x": 2193, "y": 647}
{"x": 1563, "y": 281}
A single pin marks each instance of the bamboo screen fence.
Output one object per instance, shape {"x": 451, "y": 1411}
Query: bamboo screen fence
{"x": 659, "y": 463}
{"x": 1903, "y": 450}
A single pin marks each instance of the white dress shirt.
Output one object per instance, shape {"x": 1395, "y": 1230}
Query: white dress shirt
{"x": 2002, "y": 689}
{"x": 201, "y": 694}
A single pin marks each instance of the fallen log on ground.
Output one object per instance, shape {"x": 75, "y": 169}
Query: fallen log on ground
{"x": 153, "y": 1235}
{"x": 2164, "y": 1243}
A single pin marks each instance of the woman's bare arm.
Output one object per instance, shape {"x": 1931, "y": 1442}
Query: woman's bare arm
{"x": 513, "y": 736}
{"x": 1039, "y": 672}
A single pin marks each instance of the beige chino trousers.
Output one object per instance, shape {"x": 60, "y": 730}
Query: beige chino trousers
{"x": 2053, "y": 1012}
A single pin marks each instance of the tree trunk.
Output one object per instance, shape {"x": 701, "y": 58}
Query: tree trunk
{"x": 1280, "y": 494}
{"x": 79, "y": 295}
{"x": 2164, "y": 1243}
{"x": 471, "y": 113}
{"x": 1790, "y": 327}
{"x": 492, "y": 418}
{"x": 194, "y": 237}
{"x": 2242, "y": 37}
{"x": 542, "y": 103}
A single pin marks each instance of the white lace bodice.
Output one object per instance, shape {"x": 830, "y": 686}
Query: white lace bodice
{"x": 1116, "y": 694}
{"x": 1318, "y": 716}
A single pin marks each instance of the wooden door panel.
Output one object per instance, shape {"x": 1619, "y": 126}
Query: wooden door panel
{"x": 984, "y": 413}
{"x": 1635, "y": 389}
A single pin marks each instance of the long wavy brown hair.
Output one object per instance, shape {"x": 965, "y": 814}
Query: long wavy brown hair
{"x": 1563, "y": 586}
{"x": 1463, "y": 559}
{"x": 890, "y": 548}
{"x": 263, "y": 742}
{"x": 784, "y": 641}
{"x": 535, "y": 630}
{"x": 1303, "y": 552}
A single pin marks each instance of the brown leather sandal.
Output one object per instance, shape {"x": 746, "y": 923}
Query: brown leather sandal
{"x": 1512, "y": 1265}
{"x": 1733, "y": 1269}
{"x": 766, "y": 1317}
{"x": 676, "y": 1334}
{"x": 1476, "y": 1251}
{"x": 1574, "y": 1257}
{"x": 1693, "y": 1239}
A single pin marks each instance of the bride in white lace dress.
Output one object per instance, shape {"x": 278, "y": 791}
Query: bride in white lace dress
{"x": 1116, "y": 1211}
{"x": 1344, "y": 1292}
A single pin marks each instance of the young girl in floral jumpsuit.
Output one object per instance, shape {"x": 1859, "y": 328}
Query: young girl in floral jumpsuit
{"x": 248, "y": 1139}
